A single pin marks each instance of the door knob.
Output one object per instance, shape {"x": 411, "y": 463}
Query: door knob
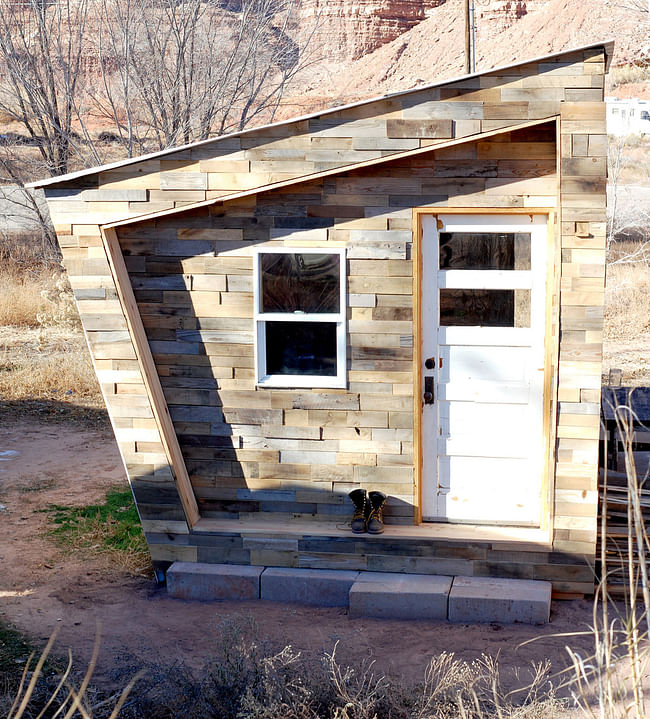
{"x": 430, "y": 362}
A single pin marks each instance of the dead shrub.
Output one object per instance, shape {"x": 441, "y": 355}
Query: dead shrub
{"x": 28, "y": 251}
{"x": 625, "y": 74}
{"x": 248, "y": 679}
{"x": 21, "y": 299}
{"x": 59, "y": 309}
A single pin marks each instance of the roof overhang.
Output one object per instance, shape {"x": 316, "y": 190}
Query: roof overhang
{"x": 328, "y": 173}
{"x": 607, "y": 45}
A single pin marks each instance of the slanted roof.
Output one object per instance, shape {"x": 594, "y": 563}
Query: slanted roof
{"x": 328, "y": 173}
{"x": 607, "y": 45}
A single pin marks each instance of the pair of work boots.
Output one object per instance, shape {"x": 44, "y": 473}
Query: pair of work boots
{"x": 368, "y": 511}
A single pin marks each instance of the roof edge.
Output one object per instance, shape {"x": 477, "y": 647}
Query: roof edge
{"x": 607, "y": 45}
{"x": 328, "y": 173}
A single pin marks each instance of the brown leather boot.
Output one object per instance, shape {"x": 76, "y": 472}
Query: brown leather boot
{"x": 360, "y": 500}
{"x": 375, "y": 524}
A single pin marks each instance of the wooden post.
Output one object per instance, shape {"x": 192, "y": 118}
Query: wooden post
{"x": 467, "y": 44}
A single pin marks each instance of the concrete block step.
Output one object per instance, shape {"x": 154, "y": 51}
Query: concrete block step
{"x": 483, "y": 599}
{"x": 369, "y": 594}
{"x": 194, "y": 580}
{"x": 400, "y": 596}
{"x": 319, "y": 587}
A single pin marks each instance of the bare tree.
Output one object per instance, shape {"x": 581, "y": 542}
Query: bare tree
{"x": 42, "y": 50}
{"x": 41, "y": 56}
{"x": 161, "y": 72}
{"x": 175, "y": 71}
{"x": 628, "y": 206}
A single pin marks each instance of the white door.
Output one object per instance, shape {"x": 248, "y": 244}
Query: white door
{"x": 483, "y": 321}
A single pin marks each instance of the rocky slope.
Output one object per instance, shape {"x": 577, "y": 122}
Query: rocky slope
{"x": 431, "y": 50}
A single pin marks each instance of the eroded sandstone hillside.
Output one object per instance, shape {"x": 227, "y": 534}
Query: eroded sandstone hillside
{"x": 372, "y": 47}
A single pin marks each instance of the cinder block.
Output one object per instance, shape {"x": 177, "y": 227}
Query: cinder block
{"x": 194, "y": 580}
{"x": 400, "y": 596}
{"x": 484, "y": 599}
{"x": 320, "y": 587}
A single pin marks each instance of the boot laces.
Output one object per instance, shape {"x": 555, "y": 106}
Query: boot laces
{"x": 360, "y": 510}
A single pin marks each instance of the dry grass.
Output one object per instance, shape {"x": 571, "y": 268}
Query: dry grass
{"x": 248, "y": 679}
{"x": 625, "y": 74}
{"x": 627, "y": 299}
{"x": 43, "y": 353}
{"x": 41, "y": 298}
{"x": 626, "y": 337}
{"x": 46, "y": 363}
{"x": 21, "y": 298}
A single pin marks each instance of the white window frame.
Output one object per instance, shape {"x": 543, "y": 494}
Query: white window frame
{"x": 260, "y": 319}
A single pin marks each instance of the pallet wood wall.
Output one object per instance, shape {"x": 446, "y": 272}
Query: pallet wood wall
{"x": 206, "y": 391}
{"x": 297, "y": 453}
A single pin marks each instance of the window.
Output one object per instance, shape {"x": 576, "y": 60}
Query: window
{"x": 484, "y": 307}
{"x": 300, "y": 317}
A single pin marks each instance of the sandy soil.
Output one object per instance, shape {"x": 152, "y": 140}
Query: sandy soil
{"x": 42, "y": 589}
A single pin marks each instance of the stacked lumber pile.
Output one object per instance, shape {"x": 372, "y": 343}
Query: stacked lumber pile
{"x": 615, "y": 500}
{"x": 618, "y": 548}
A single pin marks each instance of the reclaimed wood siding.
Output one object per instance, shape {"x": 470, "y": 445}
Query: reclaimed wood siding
{"x": 477, "y": 174}
{"x": 297, "y": 453}
{"x": 333, "y": 139}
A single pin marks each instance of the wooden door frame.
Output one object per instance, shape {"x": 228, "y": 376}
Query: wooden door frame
{"x": 551, "y": 348}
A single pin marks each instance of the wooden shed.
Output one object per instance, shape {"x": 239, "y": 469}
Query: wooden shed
{"x": 404, "y": 295}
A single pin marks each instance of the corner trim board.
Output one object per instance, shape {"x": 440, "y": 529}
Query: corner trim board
{"x": 150, "y": 374}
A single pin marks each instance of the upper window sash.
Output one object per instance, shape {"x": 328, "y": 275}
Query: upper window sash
{"x": 295, "y": 291}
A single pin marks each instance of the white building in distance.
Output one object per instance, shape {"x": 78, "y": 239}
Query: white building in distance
{"x": 628, "y": 117}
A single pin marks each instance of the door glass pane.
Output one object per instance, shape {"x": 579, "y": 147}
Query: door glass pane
{"x": 485, "y": 308}
{"x": 296, "y": 282}
{"x": 484, "y": 251}
{"x": 301, "y": 348}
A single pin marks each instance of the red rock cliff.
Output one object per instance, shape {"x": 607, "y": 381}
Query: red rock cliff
{"x": 347, "y": 30}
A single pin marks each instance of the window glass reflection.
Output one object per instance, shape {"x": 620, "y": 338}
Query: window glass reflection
{"x": 485, "y": 308}
{"x": 301, "y": 348}
{"x": 296, "y": 282}
{"x": 484, "y": 251}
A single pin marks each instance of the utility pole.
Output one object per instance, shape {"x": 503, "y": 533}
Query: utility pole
{"x": 467, "y": 43}
{"x": 473, "y": 20}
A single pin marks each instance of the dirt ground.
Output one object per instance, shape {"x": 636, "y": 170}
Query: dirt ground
{"x": 41, "y": 588}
